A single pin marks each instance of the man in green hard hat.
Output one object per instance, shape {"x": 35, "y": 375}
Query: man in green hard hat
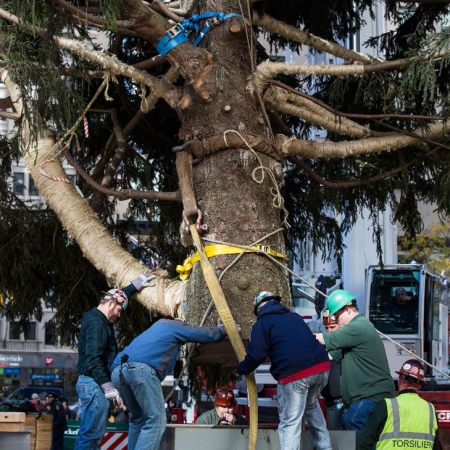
{"x": 357, "y": 347}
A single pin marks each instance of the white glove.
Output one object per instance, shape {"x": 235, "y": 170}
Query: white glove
{"x": 112, "y": 394}
{"x": 222, "y": 330}
{"x": 143, "y": 281}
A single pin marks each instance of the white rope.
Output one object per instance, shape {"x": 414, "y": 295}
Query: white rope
{"x": 277, "y": 201}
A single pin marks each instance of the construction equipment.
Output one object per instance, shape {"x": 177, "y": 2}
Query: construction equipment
{"x": 408, "y": 303}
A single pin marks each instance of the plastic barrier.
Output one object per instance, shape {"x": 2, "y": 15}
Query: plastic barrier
{"x": 116, "y": 435}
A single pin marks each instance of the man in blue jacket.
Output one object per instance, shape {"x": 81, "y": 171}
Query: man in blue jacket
{"x": 298, "y": 363}
{"x": 138, "y": 370}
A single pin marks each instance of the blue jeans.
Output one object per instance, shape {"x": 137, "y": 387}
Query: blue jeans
{"x": 141, "y": 391}
{"x": 355, "y": 416}
{"x": 95, "y": 412}
{"x": 299, "y": 398}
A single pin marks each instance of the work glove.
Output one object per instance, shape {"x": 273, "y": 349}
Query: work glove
{"x": 220, "y": 324}
{"x": 143, "y": 281}
{"x": 222, "y": 330}
{"x": 112, "y": 394}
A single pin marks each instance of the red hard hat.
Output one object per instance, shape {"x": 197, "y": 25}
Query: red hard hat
{"x": 224, "y": 397}
{"x": 412, "y": 368}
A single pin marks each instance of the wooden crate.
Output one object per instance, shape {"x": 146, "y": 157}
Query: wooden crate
{"x": 41, "y": 431}
{"x": 12, "y": 421}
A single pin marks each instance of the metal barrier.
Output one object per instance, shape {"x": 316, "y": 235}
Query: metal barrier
{"x": 194, "y": 437}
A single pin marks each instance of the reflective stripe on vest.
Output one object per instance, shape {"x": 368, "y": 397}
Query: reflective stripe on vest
{"x": 422, "y": 428}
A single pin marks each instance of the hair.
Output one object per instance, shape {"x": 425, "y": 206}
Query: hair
{"x": 353, "y": 306}
{"x": 104, "y": 301}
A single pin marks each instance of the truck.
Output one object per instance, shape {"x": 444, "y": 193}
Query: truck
{"x": 418, "y": 322}
{"x": 408, "y": 304}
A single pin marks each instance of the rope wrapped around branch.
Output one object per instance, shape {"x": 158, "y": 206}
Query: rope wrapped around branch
{"x": 217, "y": 143}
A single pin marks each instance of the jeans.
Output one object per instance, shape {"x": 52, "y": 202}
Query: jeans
{"x": 95, "y": 409}
{"x": 299, "y": 398}
{"x": 141, "y": 391}
{"x": 355, "y": 416}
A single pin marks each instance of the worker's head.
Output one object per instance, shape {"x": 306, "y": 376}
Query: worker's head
{"x": 411, "y": 375}
{"x": 35, "y": 398}
{"x": 401, "y": 297}
{"x": 224, "y": 401}
{"x": 329, "y": 321}
{"x": 342, "y": 306}
{"x": 112, "y": 303}
{"x": 262, "y": 298}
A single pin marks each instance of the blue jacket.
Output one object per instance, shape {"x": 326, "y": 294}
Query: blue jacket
{"x": 159, "y": 345}
{"x": 284, "y": 337}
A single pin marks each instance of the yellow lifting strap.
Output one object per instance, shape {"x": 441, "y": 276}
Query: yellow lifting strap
{"x": 222, "y": 249}
{"x": 230, "y": 326}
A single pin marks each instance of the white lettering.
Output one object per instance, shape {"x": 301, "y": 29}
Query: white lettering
{"x": 13, "y": 358}
{"x": 443, "y": 415}
{"x": 71, "y": 432}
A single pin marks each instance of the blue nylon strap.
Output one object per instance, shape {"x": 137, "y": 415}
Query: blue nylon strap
{"x": 180, "y": 32}
{"x": 175, "y": 36}
{"x": 218, "y": 18}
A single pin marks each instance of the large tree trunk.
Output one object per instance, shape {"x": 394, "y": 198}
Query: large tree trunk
{"x": 236, "y": 208}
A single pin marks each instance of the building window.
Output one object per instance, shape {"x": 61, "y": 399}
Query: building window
{"x": 29, "y": 332}
{"x": 66, "y": 341}
{"x": 18, "y": 183}
{"x": 14, "y": 330}
{"x": 32, "y": 189}
{"x": 49, "y": 335}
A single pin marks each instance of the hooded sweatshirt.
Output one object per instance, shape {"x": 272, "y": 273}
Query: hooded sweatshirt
{"x": 284, "y": 337}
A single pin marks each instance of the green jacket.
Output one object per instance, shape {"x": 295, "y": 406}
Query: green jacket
{"x": 358, "y": 348}
{"x": 211, "y": 418}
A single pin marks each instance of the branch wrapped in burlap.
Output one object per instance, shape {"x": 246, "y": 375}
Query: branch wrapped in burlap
{"x": 232, "y": 140}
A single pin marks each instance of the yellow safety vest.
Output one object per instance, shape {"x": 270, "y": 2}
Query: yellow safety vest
{"x": 411, "y": 423}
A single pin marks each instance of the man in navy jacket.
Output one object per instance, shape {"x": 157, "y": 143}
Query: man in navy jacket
{"x": 298, "y": 363}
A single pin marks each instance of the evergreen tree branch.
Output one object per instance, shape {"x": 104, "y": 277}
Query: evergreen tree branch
{"x": 351, "y": 115}
{"x": 159, "y": 87}
{"x": 345, "y": 149}
{"x": 274, "y": 26}
{"x": 125, "y": 194}
{"x": 82, "y": 16}
{"x": 344, "y": 184}
{"x": 282, "y": 101}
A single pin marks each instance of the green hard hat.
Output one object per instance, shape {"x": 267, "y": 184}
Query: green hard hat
{"x": 338, "y": 299}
